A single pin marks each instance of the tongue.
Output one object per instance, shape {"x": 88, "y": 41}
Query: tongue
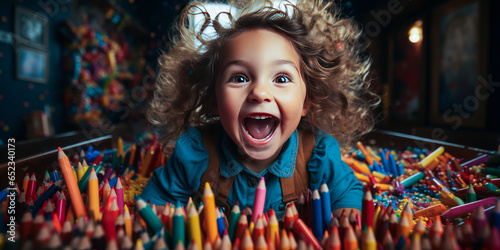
{"x": 259, "y": 128}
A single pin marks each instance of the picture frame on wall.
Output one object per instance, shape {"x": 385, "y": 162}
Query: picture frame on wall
{"x": 458, "y": 61}
{"x": 32, "y": 64}
{"x": 31, "y": 27}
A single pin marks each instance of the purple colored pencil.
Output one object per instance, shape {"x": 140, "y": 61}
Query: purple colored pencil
{"x": 476, "y": 161}
{"x": 463, "y": 210}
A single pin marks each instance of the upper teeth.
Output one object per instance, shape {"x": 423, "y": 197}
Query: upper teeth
{"x": 260, "y": 117}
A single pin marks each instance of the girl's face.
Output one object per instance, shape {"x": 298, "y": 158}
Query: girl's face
{"x": 260, "y": 92}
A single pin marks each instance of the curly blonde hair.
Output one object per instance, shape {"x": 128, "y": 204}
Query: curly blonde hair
{"x": 330, "y": 47}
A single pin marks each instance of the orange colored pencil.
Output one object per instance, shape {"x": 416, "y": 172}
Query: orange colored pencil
{"x": 72, "y": 186}
{"x": 285, "y": 242}
{"x": 25, "y": 182}
{"x": 333, "y": 242}
{"x": 350, "y": 241}
{"x": 106, "y": 190}
{"x": 258, "y": 229}
{"x": 209, "y": 212}
{"x": 365, "y": 153}
{"x": 261, "y": 243}
{"x": 246, "y": 241}
{"x": 132, "y": 154}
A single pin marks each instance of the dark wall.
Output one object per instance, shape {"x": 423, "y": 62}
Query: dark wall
{"x": 151, "y": 22}
{"x": 406, "y": 12}
{"x": 18, "y": 98}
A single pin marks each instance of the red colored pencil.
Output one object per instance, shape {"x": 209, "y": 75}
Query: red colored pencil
{"x": 368, "y": 209}
{"x": 242, "y": 225}
{"x": 300, "y": 228}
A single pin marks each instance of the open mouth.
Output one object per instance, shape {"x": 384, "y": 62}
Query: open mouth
{"x": 260, "y": 127}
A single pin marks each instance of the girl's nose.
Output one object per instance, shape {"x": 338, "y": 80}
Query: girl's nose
{"x": 260, "y": 92}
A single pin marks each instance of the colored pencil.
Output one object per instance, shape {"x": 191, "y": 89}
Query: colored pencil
{"x": 179, "y": 225}
{"x": 428, "y": 159}
{"x": 326, "y": 206}
{"x": 194, "y": 227}
{"x": 154, "y": 224}
{"x": 93, "y": 187}
{"x": 221, "y": 227}
{"x": 119, "y": 194}
{"x": 233, "y": 220}
{"x": 317, "y": 220}
{"x": 242, "y": 225}
{"x": 300, "y": 228}
{"x": 128, "y": 222}
{"x": 80, "y": 172}
{"x": 72, "y": 186}
{"x": 209, "y": 213}
{"x": 259, "y": 201}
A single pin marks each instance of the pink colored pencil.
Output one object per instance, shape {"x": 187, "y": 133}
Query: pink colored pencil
{"x": 61, "y": 207}
{"x": 119, "y": 195}
{"x": 260, "y": 199}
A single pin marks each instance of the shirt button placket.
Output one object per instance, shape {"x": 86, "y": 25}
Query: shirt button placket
{"x": 252, "y": 181}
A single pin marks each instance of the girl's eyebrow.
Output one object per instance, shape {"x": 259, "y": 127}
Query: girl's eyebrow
{"x": 291, "y": 63}
{"x": 274, "y": 63}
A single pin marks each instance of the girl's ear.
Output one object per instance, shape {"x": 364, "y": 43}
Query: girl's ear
{"x": 305, "y": 107}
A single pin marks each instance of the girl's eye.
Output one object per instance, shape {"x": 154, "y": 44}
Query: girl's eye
{"x": 237, "y": 78}
{"x": 282, "y": 79}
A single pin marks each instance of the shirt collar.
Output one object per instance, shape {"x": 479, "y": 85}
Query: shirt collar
{"x": 231, "y": 166}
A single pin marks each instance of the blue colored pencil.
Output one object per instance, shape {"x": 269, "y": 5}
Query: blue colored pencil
{"x": 54, "y": 176}
{"x": 316, "y": 214}
{"x": 378, "y": 168}
{"x": 326, "y": 207}
{"x": 3, "y": 195}
{"x": 45, "y": 196}
{"x": 401, "y": 169}
{"x": 385, "y": 163}
{"x": 394, "y": 167}
{"x": 220, "y": 223}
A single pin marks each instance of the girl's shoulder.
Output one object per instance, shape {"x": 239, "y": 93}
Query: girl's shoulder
{"x": 192, "y": 138}
{"x": 325, "y": 140}
{"x": 191, "y": 141}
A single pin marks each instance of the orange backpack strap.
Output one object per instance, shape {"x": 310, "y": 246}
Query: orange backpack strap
{"x": 220, "y": 185}
{"x": 298, "y": 183}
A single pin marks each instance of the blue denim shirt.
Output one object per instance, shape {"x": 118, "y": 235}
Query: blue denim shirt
{"x": 180, "y": 178}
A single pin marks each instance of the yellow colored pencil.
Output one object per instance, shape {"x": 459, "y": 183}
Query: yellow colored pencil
{"x": 80, "y": 171}
{"x": 93, "y": 188}
{"x": 74, "y": 173}
{"x": 434, "y": 155}
{"x": 85, "y": 166}
{"x": 368, "y": 241}
{"x": 119, "y": 148}
{"x": 194, "y": 227}
{"x": 273, "y": 227}
{"x": 128, "y": 222}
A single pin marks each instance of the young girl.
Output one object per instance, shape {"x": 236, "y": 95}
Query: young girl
{"x": 265, "y": 98}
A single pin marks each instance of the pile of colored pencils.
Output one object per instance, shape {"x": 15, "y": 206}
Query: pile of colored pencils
{"x": 96, "y": 207}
